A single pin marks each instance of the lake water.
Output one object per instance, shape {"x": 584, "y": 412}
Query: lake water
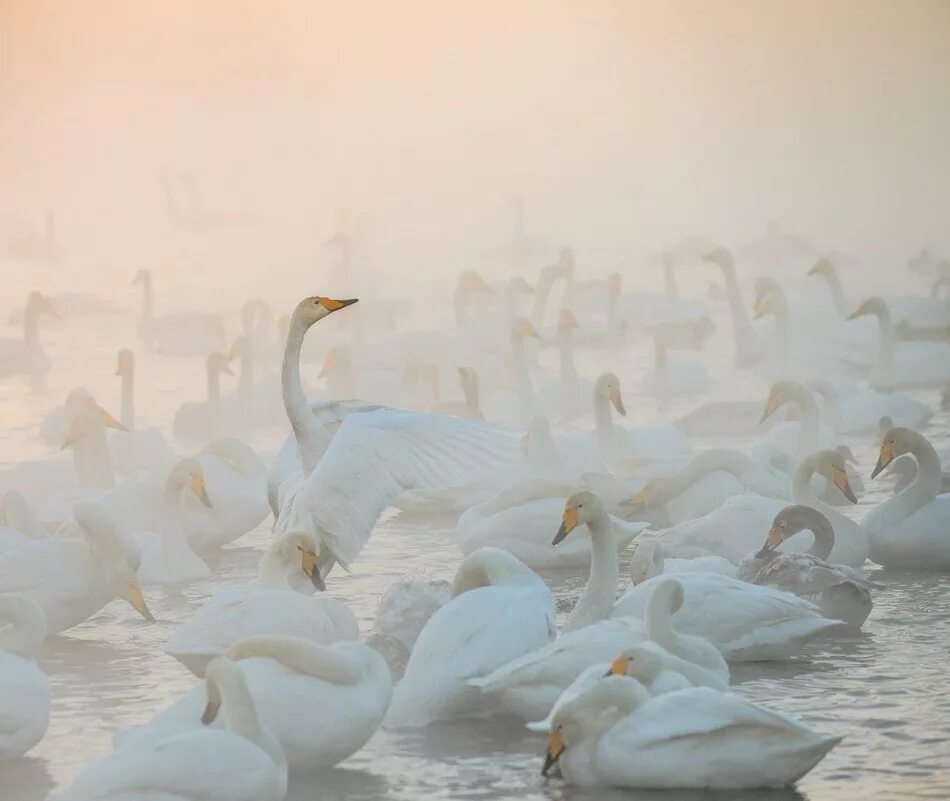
{"x": 885, "y": 690}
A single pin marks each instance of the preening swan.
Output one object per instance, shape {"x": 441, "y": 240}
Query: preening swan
{"x": 615, "y": 735}
{"x": 24, "y": 689}
{"x": 241, "y": 762}
{"x": 500, "y": 609}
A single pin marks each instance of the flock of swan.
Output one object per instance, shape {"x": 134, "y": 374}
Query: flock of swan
{"x": 734, "y": 554}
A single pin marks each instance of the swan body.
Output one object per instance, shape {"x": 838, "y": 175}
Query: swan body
{"x": 647, "y": 560}
{"x": 297, "y": 686}
{"x": 27, "y": 355}
{"x": 745, "y": 622}
{"x": 277, "y": 604}
{"x": 500, "y": 610}
{"x": 616, "y": 735}
{"x": 24, "y": 688}
{"x": 241, "y": 762}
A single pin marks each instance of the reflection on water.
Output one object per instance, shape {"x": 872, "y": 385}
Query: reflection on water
{"x": 884, "y": 689}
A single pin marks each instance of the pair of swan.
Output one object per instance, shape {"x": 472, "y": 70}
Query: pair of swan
{"x": 841, "y": 592}
{"x": 26, "y": 355}
{"x": 242, "y": 761}
{"x": 909, "y": 530}
{"x": 322, "y": 702}
{"x": 24, "y": 688}
{"x": 615, "y": 734}
{"x": 71, "y": 579}
{"x": 278, "y": 603}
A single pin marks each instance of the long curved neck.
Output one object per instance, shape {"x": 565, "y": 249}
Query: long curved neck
{"x": 27, "y": 627}
{"x": 810, "y": 436}
{"x": 488, "y": 568}
{"x": 803, "y": 493}
{"x": 658, "y": 620}
{"x": 831, "y": 402}
{"x": 241, "y": 712}
{"x": 304, "y": 657}
{"x": 603, "y": 422}
{"x": 127, "y": 417}
{"x": 597, "y": 599}
{"x": 925, "y": 486}
{"x": 885, "y": 354}
{"x": 824, "y": 534}
{"x": 837, "y": 293}
{"x": 311, "y": 439}
{"x": 706, "y": 462}
{"x": 470, "y": 393}
{"x": 613, "y": 317}
{"x": 566, "y": 353}
{"x": 174, "y": 541}
{"x": 741, "y": 328}
{"x": 246, "y": 374}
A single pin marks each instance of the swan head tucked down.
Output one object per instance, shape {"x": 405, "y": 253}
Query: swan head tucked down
{"x": 647, "y": 559}
{"x": 187, "y": 473}
{"x": 298, "y": 550}
{"x": 639, "y": 662}
{"x": 608, "y": 386}
{"x": 896, "y": 442}
{"x": 581, "y": 508}
{"x": 792, "y": 519}
{"x": 106, "y": 544}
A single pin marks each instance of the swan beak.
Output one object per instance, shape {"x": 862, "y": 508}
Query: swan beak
{"x": 109, "y": 421}
{"x": 531, "y": 331}
{"x": 886, "y": 457}
{"x": 332, "y": 305}
{"x": 210, "y": 713}
{"x": 199, "y": 488}
{"x": 138, "y": 602}
{"x": 841, "y": 482}
{"x": 771, "y": 543}
{"x": 226, "y": 368}
{"x": 862, "y": 309}
{"x": 640, "y": 499}
{"x": 553, "y": 754}
{"x": 617, "y": 401}
{"x": 618, "y": 667}
{"x": 568, "y": 524}
{"x": 770, "y": 406}
{"x": 763, "y": 308}
{"x": 310, "y": 563}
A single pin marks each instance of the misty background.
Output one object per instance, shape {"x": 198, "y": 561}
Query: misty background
{"x": 625, "y": 127}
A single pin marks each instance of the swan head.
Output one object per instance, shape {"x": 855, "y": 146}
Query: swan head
{"x": 788, "y": 522}
{"x": 521, "y": 327}
{"x": 218, "y": 363}
{"x": 188, "y": 473}
{"x": 105, "y": 541}
{"x": 646, "y": 560}
{"x": 88, "y": 419}
{"x": 125, "y": 362}
{"x": 875, "y": 306}
{"x": 566, "y": 321}
{"x": 639, "y": 662}
{"x": 832, "y": 465}
{"x": 719, "y": 256}
{"x": 303, "y": 549}
{"x": 782, "y": 392}
{"x": 471, "y": 282}
{"x": 824, "y": 268}
{"x": 655, "y": 492}
{"x": 582, "y": 507}
{"x": 895, "y": 442}
{"x": 608, "y": 386}
{"x": 37, "y": 303}
{"x": 316, "y": 307}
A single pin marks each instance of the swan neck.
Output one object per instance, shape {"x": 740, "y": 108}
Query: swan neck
{"x": 926, "y": 484}
{"x": 598, "y": 598}
{"x": 241, "y": 711}
{"x": 306, "y": 658}
{"x": 174, "y": 540}
{"x": 741, "y": 328}
{"x": 603, "y": 423}
{"x": 886, "y": 335}
{"x": 127, "y": 417}
{"x": 837, "y": 294}
{"x": 307, "y": 432}
{"x": 658, "y": 621}
{"x": 214, "y": 385}
{"x": 824, "y": 535}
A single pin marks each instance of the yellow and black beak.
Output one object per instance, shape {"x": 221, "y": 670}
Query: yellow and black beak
{"x": 200, "y": 489}
{"x": 138, "y": 603}
{"x": 568, "y": 523}
{"x": 762, "y": 308}
{"x": 841, "y": 482}
{"x": 771, "y": 543}
{"x": 332, "y": 305}
{"x": 862, "y": 309}
{"x": 617, "y": 401}
{"x": 770, "y": 406}
{"x": 618, "y": 667}
{"x": 109, "y": 421}
{"x": 553, "y": 754}
{"x": 885, "y": 458}
{"x": 310, "y": 563}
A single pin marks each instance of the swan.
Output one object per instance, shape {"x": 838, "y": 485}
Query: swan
{"x": 202, "y": 419}
{"x": 18, "y": 524}
{"x": 135, "y": 450}
{"x": 72, "y": 579}
{"x": 167, "y": 557}
{"x": 672, "y": 379}
{"x": 298, "y": 687}
{"x": 24, "y": 688}
{"x": 567, "y": 397}
{"x": 800, "y": 437}
{"x": 615, "y": 442}
{"x": 647, "y": 560}
{"x": 470, "y": 406}
{"x": 90, "y": 448}
{"x": 909, "y": 530}
{"x": 346, "y": 483}
{"x": 743, "y": 621}
{"x": 520, "y": 518}
{"x": 181, "y": 333}
{"x": 27, "y": 355}
{"x": 240, "y": 762}
{"x": 278, "y": 603}
{"x": 54, "y": 429}
{"x": 904, "y": 365}
{"x": 840, "y": 592}
{"x": 859, "y": 411}
{"x": 749, "y": 349}
{"x": 616, "y": 735}
{"x": 500, "y": 609}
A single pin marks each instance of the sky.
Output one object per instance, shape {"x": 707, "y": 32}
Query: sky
{"x": 624, "y": 125}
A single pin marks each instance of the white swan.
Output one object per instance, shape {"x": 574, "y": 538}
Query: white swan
{"x": 279, "y": 603}
{"x": 616, "y": 735}
{"x": 24, "y": 688}
{"x": 672, "y": 379}
{"x": 568, "y": 396}
{"x": 72, "y": 579}
{"x": 749, "y": 349}
{"x": 745, "y": 622}
{"x": 800, "y": 437}
{"x": 850, "y": 409}
{"x": 135, "y": 450}
{"x": 167, "y": 557}
{"x": 18, "y": 524}
{"x": 520, "y": 518}
{"x": 841, "y": 593}
{"x": 202, "y": 419}
{"x": 904, "y": 365}
{"x": 323, "y": 702}
{"x": 909, "y": 530}
{"x": 242, "y": 762}
{"x": 647, "y": 560}
{"x": 470, "y": 406}
{"x": 500, "y": 610}
{"x": 26, "y": 355}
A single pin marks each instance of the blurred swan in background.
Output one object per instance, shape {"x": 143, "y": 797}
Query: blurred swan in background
{"x": 26, "y": 355}
{"x": 178, "y": 333}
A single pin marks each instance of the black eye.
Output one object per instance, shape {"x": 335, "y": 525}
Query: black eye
{"x": 300, "y": 547}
